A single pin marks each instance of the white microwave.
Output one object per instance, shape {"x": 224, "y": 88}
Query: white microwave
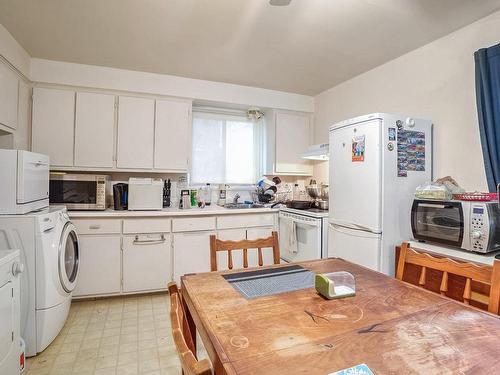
{"x": 79, "y": 191}
{"x": 472, "y": 226}
{"x": 24, "y": 181}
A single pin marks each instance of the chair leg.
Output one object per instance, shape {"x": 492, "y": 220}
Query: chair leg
{"x": 189, "y": 328}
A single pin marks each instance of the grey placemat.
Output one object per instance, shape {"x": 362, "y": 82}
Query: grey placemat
{"x": 271, "y": 281}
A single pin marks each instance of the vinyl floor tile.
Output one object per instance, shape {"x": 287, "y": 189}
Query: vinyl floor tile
{"x": 114, "y": 336}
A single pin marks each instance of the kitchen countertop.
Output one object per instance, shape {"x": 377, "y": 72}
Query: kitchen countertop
{"x": 209, "y": 210}
{"x": 469, "y": 256}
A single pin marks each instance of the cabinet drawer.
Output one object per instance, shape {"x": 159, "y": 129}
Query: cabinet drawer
{"x": 97, "y": 226}
{"x": 188, "y": 224}
{"x": 146, "y": 225}
{"x": 245, "y": 220}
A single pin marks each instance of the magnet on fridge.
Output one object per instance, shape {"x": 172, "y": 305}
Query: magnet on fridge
{"x": 390, "y": 146}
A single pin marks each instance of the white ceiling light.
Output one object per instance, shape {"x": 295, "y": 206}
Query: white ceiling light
{"x": 279, "y": 3}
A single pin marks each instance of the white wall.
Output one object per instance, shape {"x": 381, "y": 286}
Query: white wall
{"x": 62, "y": 73}
{"x": 435, "y": 81}
{"x": 16, "y": 58}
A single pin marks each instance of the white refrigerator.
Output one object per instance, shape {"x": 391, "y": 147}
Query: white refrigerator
{"x": 376, "y": 162}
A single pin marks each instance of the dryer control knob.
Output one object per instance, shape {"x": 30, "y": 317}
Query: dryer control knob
{"x": 476, "y": 234}
{"x": 17, "y": 268}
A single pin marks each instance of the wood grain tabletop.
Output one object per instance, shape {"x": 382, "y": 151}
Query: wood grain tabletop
{"x": 393, "y": 327}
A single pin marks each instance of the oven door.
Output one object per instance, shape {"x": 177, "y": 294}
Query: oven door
{"x": 74, "y": 191}
{"x": 438, "y": 221}
{"x": 299, "y": 237}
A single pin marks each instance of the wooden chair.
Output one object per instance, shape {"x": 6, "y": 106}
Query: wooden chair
{"x": 217, "y": 245}
{"x": 484, "y": 274}
{"x": 182, "y": 338}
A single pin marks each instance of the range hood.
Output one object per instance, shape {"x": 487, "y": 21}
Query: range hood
{"x": 317, "y": 152}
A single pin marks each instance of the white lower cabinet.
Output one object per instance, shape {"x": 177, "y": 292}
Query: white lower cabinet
{"x": 100, "y": 266}
{"x": 136, "y": 255}
{"x": 191, "y": 253}
{"x": 146, "y": 262}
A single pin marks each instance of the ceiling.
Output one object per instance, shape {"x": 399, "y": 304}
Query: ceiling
{"x": 306, "y": 47}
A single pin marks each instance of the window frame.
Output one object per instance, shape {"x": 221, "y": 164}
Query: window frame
{"x": 258, "y": 143}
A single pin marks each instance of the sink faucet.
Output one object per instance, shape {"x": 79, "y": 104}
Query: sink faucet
{"x": 236, "y": 197}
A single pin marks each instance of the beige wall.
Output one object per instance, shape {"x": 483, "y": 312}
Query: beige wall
{"x": 435, "y": 81}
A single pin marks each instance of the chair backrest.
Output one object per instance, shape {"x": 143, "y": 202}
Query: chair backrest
{"x": 190, "y": 365}
{"x": 484, "y": 274}
{"x": 217, "y": 245}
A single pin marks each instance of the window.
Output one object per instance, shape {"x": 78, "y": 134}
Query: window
{"x": 226, "y": 149}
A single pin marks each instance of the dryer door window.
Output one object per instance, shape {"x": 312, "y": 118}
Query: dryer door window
{"x": 69, "y": 255}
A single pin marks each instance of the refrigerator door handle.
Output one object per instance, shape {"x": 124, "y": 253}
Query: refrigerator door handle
{"x": 354, "y": 226}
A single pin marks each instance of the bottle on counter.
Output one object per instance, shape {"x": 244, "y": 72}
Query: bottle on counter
{"x": 222, "y": 195}
{"x": 206, "y": 194}
{"x": 194, "y": 200}
{"x": 296, "y": 193}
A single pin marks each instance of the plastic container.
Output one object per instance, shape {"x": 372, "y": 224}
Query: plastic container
{"x": 335, "y": 284}
{"x": 433, "y": 191}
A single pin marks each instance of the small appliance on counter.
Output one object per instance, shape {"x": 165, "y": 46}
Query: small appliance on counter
{"x": 469, "y": 225}
{"x": 185, "y": 201}
{"x": 79, "y": 191}
{"x": 145, "y": 194}
{"x": 24, "y": 185}
{"x": 120, "y": 196}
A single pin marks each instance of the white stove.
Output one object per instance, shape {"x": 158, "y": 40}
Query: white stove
{"x": 303, "y": 234}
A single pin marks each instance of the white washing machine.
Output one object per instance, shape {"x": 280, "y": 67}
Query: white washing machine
{"x": 49, "y": 250}
{"x": 10, "y": 269}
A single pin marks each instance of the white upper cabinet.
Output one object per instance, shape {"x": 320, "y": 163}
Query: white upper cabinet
{"x": 136, "y": 122}
{"x": 9, "y": 86}
{"x": 172, "y": 135}
{"x": 53, "y": 124}
{"x": 94, "y": 130}
{"x": 293, "y": 135}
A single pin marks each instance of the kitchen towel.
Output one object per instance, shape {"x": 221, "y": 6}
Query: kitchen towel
{"x": 290, "y": 235}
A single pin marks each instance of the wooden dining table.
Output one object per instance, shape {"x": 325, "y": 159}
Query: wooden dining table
{"x": 391, "y": 326}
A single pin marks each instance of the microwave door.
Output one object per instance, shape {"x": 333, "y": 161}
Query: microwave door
{"x": 71, "y": 192}
{"x": 440, "y": 222}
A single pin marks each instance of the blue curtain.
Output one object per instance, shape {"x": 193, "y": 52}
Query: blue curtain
{"x": 488, "y": 110}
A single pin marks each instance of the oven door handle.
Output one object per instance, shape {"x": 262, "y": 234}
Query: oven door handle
{"x": 304, "y": 222}
{"x": 432, "y": 205}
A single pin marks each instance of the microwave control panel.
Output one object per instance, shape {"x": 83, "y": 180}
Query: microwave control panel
{"x": 479, "y": 225}
{"x": 101, "y": 193}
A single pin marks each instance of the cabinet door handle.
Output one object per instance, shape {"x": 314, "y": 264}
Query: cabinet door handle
{"x": 94, "y": 227}
{"x": 138, "y": 241}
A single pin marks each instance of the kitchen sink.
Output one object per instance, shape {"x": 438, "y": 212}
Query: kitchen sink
{"x": 242, "y": 205}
